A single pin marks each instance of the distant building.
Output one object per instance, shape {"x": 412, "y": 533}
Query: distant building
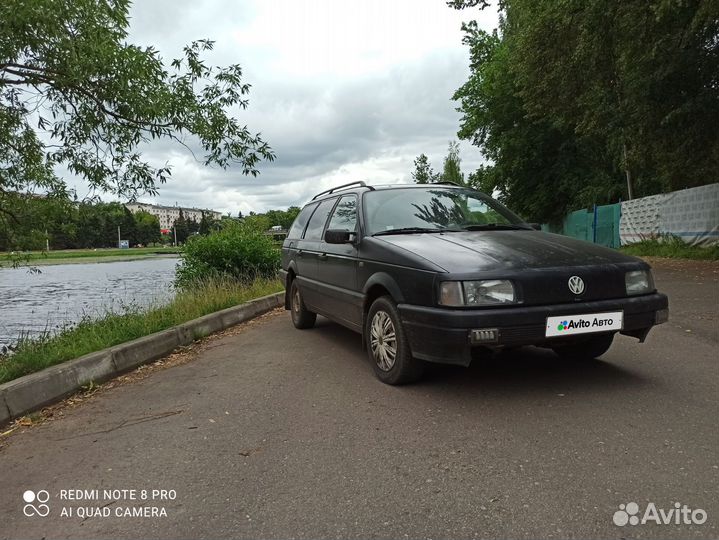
{"x": 168, "y": 214}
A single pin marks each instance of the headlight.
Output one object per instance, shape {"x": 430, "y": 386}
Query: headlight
{"x": 476, "y": 293}
{"x": 638, "y": 282}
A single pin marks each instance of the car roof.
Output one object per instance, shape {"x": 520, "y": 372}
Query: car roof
{"x": 361, "y": 187}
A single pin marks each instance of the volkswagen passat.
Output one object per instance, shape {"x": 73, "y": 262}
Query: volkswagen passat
{"x": 427, "y": 273}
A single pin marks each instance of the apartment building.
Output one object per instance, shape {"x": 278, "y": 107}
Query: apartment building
{"x": 168, "y": 214}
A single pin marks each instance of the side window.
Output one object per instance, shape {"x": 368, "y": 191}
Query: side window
{"x": 300, "y": 221}
{"x": 318, "y": 220}
{"x": 345, "y": 215}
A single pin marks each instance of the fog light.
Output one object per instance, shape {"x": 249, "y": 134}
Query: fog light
{"x": 661, "y": 316}
{"x": 484, "y": 335}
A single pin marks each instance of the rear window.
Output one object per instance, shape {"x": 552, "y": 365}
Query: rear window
{"x": 318, "y": 220}
{"x": 300, "y": 221}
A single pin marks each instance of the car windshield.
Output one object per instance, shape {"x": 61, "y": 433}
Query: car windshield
{"x": 415, "y": 210}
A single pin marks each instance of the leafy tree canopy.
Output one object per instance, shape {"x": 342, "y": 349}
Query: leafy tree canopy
{"x": 576, "y": 103}
{"x": 75, "y": 93}
{"x": 423, "y": 172}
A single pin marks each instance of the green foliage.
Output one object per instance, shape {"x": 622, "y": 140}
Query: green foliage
{"x": 237, "y": 251}
{"x": 451, "y": 171}
{"x": 90, "y": 335}
{"x": 567, "y": 100}
{"x": 68, "y": 75}
{"x": 283, "y": 218}
{"x": 671, "y": 247}
{"x": 423, "y": 172}
{"x": 147, "y": 228}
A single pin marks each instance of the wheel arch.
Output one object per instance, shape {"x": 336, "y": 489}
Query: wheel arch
{"x": 380, "y": 284}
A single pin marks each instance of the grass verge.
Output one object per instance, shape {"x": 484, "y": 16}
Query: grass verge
{"x": 671, "y": 247}
{"x": 114, "y": 328}
{"x": 64, "y": 255}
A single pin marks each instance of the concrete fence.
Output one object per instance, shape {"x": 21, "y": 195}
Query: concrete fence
{"x": 690, "y": 214}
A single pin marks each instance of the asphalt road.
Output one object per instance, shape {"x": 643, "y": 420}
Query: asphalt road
{"x": 273, "y": 432}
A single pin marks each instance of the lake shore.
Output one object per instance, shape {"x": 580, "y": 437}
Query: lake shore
{"x": 103, "y": 259}
{"x": 86, "y": 256}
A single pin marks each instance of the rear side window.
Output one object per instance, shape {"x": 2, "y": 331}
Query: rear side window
{"x": 300, "y": 221}
{"x": 318, "y": 220}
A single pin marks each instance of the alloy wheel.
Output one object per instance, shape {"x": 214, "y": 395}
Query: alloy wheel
{"x": 383, "y": 340}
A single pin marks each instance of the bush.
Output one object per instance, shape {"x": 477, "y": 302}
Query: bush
{"x": 236, "y": 251}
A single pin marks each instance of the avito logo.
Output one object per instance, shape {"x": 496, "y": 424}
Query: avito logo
{"x": 629, "y": 514}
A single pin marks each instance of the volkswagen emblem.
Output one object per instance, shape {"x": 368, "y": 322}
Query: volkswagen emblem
{"x": 576, "y": 285}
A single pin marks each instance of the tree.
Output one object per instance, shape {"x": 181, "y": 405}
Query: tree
{"x": 423, "y": 172}
{"x": 74, "y": 93}
{"x": 147, "y": 228}
{"x": 208, "y": 224}
{"x": 182, "y": 228}
{"x": 289, "y": 217}
{"x": 451, "y": 171}
{"x": 570, "y": 101}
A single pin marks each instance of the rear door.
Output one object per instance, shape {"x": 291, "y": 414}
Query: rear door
{"x": 337, "y": 268}
{"x": 308, "y": 252}
{"x": 294, "y": 236}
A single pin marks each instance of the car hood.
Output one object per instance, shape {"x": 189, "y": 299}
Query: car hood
{"x": 472, "y": 251}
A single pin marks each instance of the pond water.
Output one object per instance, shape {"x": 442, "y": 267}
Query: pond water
{"x": 31, "y": 304}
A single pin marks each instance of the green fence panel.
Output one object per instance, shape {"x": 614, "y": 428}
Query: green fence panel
{"x": 599, "y": 225}
{"x": 607, "y": 229}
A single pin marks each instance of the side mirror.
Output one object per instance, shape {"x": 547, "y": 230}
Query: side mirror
{"x": 339, "y": 236}
{"x": 536, "y": 226}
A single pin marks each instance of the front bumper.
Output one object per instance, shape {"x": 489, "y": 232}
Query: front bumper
{"x": 444, "y": 335}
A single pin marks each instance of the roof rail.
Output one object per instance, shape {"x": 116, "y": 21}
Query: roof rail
{"x": 359, "y": 183}
{"x": 447, "y": 183}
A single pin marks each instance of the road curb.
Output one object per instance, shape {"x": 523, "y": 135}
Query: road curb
{"x": 37, "y": 390}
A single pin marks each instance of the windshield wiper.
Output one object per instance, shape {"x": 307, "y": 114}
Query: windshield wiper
{"x": 495, "y": 227}
{"x": 413, "y": 230}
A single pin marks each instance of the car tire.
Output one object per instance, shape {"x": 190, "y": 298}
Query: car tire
{"x": 302, "y": 317}
{"x": 586, "y": 349}
{"x": 387, "y": 345}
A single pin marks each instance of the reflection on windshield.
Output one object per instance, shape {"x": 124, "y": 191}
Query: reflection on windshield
{"x": 433, "y": 208}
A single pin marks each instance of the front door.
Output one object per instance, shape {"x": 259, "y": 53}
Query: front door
{"x": 337, "y": 268}
{"x": 307, "y": 253}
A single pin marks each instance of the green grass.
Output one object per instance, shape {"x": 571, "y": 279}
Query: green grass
{"x": 100, "y": 252}
{"x": 671, "y": 247}
{"x": 93, "y": 335}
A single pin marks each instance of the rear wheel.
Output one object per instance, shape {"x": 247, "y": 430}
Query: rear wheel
{"x": 584, "y": 349}
{"x": 301, "y": 317}
{"x": 387, "y": 345}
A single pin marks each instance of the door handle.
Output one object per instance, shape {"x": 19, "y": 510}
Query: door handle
{"x": 322, "y": 256}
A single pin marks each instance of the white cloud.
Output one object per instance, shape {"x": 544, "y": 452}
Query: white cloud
{"x": 342, "y": 90}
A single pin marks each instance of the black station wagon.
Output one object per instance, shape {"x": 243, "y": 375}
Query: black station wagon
{"x": 433, "y": 272}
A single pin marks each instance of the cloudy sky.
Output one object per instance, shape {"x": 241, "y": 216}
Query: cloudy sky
{"x": 342, "y": 90}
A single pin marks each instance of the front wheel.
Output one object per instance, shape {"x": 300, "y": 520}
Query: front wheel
{"x": 301, "y": 317}
{"x": 387, "y": 345}
{"x": 585, "y": 349}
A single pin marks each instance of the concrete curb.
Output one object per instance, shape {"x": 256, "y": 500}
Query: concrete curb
{"x": 34, "y": 391}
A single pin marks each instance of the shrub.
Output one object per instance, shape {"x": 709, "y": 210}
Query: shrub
{"x": 236, "y": 251}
